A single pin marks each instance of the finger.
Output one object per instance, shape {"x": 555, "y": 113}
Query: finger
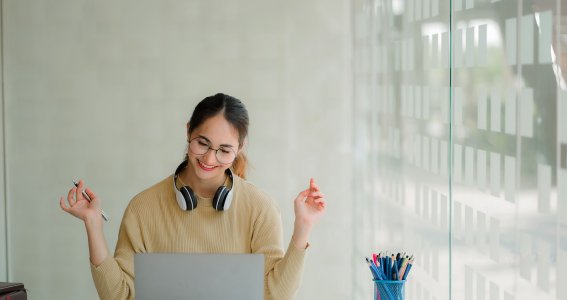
{"x": 71, "y": 197}
{"x": 301, "y": 196}
{"x": 316, "y": 195}
{"x": 91, "y": 194}
{"x": 79, "y": 191}
{"x": 313, "y": 186}
{"x": 321, "y": 204}
{"x": 62, "y": 204}
{"x": 312, "y": 200}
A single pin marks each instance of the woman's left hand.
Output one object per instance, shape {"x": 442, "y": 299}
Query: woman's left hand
{"x": 310, "y": 205}
{"x": 309, "y": 208}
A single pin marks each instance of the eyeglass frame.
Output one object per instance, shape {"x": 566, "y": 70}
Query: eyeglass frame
{"x": 211, "y": 148}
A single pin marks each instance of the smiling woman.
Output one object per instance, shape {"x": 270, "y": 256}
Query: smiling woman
{"x": 210, "y": 181}
{"x": 222, "y": 119}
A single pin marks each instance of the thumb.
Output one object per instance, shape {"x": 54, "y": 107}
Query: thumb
{"x": 301, "y": 196}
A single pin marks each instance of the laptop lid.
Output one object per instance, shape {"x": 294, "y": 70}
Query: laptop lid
{"x": 199, "y": 276}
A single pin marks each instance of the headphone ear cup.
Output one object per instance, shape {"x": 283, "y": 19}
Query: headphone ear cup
{"x": 220, "y": 198}
{"x": 189, "y": 197}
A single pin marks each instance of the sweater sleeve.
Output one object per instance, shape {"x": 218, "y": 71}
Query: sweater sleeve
{"x": 114, "y": 277}
{"x": 282, "y": 272}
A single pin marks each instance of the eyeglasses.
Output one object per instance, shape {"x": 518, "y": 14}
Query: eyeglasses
{"x": 200, "y": 146}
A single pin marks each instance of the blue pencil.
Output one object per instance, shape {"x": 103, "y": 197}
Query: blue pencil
{"x": 374, "y": 273}
{"x": 381, "y": 272}
{"x": 408, "y": 268}
{"x": 385, "y": 266}
{"x": 395, "y": 270}
{"x": 391, "y": 266}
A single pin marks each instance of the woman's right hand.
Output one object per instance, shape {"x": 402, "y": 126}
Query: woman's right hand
{"x": 80, "y": 207}
{"x": 90, "y": 213}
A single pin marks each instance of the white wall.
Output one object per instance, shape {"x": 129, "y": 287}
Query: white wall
{"x": 101, "y": 90}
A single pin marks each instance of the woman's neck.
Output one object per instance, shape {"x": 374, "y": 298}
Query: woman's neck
{"x": 203, "y": 188}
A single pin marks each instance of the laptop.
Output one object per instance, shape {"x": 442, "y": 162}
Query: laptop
{"x": 199, "y": 276}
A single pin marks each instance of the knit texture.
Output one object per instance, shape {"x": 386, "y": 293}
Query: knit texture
{"x": 153, "y": 222}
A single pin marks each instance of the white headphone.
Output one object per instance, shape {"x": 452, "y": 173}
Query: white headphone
{"x": 187, "y": 200}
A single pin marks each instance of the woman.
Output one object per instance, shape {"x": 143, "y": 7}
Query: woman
{"x": 205, "y": 206}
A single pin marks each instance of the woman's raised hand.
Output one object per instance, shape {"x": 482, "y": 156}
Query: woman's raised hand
{"x": 78, "y": 206}
{"x": 309, "y": 207}
{"x": 90, "y": 213}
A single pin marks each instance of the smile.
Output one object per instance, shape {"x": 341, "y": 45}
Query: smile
{"x": 205, "y": 166}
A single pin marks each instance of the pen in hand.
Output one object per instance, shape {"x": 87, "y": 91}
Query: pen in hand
{"x": 104, "y": 216}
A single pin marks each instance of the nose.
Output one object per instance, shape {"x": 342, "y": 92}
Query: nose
{"x": 210, "y": 157}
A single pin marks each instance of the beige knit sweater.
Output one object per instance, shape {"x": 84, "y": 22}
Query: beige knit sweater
{"x": 153, "y": 222}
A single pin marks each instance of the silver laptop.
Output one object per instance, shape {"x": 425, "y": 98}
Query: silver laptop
{"x": 199, "y": 276}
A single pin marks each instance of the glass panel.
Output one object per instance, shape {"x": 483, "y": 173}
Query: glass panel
{"x": 402, "y": 140}
{"x": 508, "y": 145}
{"x": 507, "y": 166}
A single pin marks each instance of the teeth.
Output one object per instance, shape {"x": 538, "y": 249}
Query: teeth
{"x": 206, "y": 166}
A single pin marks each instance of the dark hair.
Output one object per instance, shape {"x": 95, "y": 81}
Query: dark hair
{"x": 234, "y": 112}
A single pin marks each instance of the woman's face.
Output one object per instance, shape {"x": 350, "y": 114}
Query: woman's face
{"x": 217, "y": 132}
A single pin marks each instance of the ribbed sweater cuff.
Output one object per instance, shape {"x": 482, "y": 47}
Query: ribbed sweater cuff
{"x": 295, "y": 259}
{"x": 295, "y": 256}
{"x": 105, "y": 274}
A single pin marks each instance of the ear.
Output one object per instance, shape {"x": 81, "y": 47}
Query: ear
{"x": 187, "y": 132}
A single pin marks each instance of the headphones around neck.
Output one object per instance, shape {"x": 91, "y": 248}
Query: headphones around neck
{"x": 187, "y": 199}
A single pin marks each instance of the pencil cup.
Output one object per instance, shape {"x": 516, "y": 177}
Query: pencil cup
{"x": 389, "y": 289}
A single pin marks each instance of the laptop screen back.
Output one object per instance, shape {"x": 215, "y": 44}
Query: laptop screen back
{"x": 199, "y": 276}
